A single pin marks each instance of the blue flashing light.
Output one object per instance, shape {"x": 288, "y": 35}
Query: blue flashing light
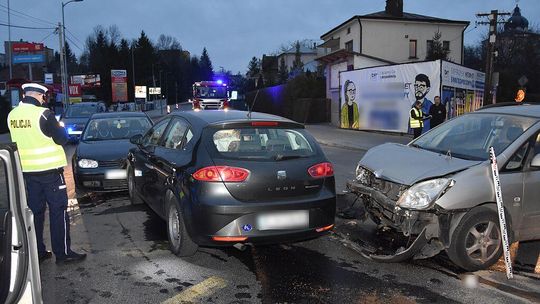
{"x": 70, "y": 130}
{"x": 220, "y": 81}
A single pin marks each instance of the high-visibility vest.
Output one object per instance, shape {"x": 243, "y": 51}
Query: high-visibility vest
{"x": 416, "y": 122}
{"x": 37, "y": 151}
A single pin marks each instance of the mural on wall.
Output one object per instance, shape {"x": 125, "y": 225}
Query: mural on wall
{"x": 381, "y": 97}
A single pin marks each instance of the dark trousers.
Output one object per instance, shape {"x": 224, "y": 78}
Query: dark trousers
{"x": 49, "y": 189}
{"x": 417, "y": 132}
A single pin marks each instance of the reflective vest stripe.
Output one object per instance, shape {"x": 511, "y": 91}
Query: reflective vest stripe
{"x": 37, "y": 151}
{"x": 416, "y": 122}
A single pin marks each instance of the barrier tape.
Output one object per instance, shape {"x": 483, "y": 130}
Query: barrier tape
{"x": 500, "y": 211}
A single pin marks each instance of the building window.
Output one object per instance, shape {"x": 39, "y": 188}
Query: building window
{"x": 446, "y": 45}
{"x": 349, "y": 46}
{"x": 348, "y": 30}
{"x": 429, "y": 45}
{"x": 412, "y": 48}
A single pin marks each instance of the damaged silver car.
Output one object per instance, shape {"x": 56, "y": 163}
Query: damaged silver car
{"x": 438, "y": 189}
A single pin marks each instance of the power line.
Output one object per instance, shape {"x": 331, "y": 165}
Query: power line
{"x": 74, "y": 44}
{"x": 49, "y": 35}
{"x": 74, "y": 37}
{"x": 26, "y": 15}
{"x": 28, "y": 27}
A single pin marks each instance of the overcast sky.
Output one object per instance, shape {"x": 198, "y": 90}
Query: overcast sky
{"x": 233, "y": 31}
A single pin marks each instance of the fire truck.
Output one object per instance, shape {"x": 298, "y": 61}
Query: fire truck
{"x": 210, "y": 95}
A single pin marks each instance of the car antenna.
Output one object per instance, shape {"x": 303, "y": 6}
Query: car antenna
{"x": 252, "y": 105}
{"x": 449, "y": 154}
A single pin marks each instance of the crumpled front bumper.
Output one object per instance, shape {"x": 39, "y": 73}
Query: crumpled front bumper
{"x": 427, "y": 229}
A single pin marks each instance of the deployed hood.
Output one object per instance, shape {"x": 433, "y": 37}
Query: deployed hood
{"x": 407, "y": 165}
{"x": 104, "y": 150}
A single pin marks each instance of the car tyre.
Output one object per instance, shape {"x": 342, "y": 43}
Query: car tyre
{"x": 180, "y": 242}
{"x": 134, "y": 197}
{"x": 477, "y": 241}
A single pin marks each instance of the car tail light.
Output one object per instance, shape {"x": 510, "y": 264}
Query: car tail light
{"x": 229, "y": 238}
{"x": 221, "y": 173}
{"x": 196, "y": 103}
{"x": 264, "y": 123}
{"x": 321, "y": 170}
{"x": 225, "y": 103}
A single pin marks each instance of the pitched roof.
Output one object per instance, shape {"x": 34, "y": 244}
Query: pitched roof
{"x": 383, "y": 15}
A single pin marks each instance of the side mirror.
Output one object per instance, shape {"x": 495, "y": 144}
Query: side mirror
{"x": 136, "y": 139}
{"x": 536, "y": 161}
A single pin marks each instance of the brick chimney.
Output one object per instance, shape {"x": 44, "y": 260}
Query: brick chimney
{"x": 394, "y": 8}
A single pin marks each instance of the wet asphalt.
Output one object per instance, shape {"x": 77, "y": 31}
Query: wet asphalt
{"x": 129, "y": 262}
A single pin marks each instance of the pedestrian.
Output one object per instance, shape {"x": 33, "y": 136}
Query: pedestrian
{"x": 39, "y": 139}
{"x": 416, "y": 119}
{"x": 437, "y": 113}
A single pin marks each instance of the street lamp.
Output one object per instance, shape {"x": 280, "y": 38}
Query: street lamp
{"x": 63, "y": 56}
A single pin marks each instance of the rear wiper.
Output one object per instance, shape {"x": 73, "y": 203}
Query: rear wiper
{"x": 285, "y": 157}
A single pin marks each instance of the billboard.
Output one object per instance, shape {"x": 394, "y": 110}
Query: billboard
{"x": 26, "y": 47}
{"x": 28, "y": 58}
{"x": 140, "y": 92}
{"x": 381, "y": 98}
{"x": 87, "y": 81}
{"x": 119, "y": 85}
{"x": 463, "y": 89}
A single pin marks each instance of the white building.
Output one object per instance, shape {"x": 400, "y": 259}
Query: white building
{"x": 307, "y": 56}
{"x": 386, "y": 37}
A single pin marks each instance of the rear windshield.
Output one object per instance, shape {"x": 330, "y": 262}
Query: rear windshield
{"x": 262, "y": 143}
{"x": 81, "y": 111}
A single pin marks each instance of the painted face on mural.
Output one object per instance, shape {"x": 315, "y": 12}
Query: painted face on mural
{"x": 421, "y": 86}
{"x": 350, "y": 92}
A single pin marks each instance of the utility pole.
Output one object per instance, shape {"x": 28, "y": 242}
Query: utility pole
{"x": 493, "y": 18}
{"x": 10, "y": 55}
{"x": 62, "y": 67}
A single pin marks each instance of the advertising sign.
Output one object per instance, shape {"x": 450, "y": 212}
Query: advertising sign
{"x": 381, "y": 98}
{"x": 154, "y": 91}
{"x": 87, "y": 81}
{"x": 28, "y": 58}
{"x": 26, "y": 47}
{"x": 48, "y": 79}
{"x": 140, "y": 92}
{"x": 463, "y": 89}
{"x": 75, "y": 90}
{"x": 119, "y": 85}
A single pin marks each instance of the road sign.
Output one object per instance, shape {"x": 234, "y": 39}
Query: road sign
{"x": 140, "y": 92}
{"x": 75, "y": 90}
{"x": 28, "y": 58}
{"x": 26, "y": 47}
{"x": 48, "y": 78}
{"x": 154, "y": 91}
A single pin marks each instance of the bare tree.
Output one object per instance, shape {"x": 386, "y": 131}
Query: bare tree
{"x": 166, "y": 42}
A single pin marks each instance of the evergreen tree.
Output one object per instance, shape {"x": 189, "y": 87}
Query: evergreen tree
{"x": 283, "y": 73}
{"x": 436, "y": 50}
{"x": 298, "y": 65}
{"x": 205, "y": 64}
{"x": 254, "y": 68}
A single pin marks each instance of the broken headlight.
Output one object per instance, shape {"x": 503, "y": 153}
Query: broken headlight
{"x": 362, "y": 175}
{"x": 424, "y": 194}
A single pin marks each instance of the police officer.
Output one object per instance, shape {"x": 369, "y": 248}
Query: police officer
{"x": 39, "y": 138}
{"x": 416, "y": 119}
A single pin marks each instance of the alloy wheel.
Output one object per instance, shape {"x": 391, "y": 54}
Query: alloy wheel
{"x": 483, "y": 241}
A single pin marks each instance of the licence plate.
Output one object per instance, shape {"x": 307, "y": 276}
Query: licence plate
{"x": 283, "y": 220}
{"x": 116, "y": 174}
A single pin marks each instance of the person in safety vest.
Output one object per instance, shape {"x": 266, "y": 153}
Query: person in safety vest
{"x": 39, "y": 139}
{"x": 416, "y": 119}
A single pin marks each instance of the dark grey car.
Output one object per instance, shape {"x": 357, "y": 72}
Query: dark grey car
{"x": 438, "y": 189}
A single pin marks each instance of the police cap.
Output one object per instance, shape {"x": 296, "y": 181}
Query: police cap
{"x": 34, "y": 87}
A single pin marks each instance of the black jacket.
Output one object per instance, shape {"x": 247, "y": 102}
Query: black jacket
{"x": 438, "y": 114}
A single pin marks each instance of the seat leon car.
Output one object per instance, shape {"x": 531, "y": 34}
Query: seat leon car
{"x": 99, "y": 161}
{"x": 223, "y": 178}
{"x": 438, "y": 190}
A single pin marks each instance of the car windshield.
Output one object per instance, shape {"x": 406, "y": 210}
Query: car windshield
{"x": 211, "y": 92}
{"x": 262, "y": 143}
{"x": 470, "y": 136}
{"x": 115, "y": 128}
{"x": 81, "y": 110}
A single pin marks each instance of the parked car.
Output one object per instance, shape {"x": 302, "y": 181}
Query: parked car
{"x": 99, "y": 162}
{"x": 19, "y": 266}
{"x": 438, "y": 190}
{"x": 77, "y": 115}
{"x": 221, "y": 178}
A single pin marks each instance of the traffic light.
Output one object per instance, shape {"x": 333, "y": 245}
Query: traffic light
{"x": 520, "y": 95}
